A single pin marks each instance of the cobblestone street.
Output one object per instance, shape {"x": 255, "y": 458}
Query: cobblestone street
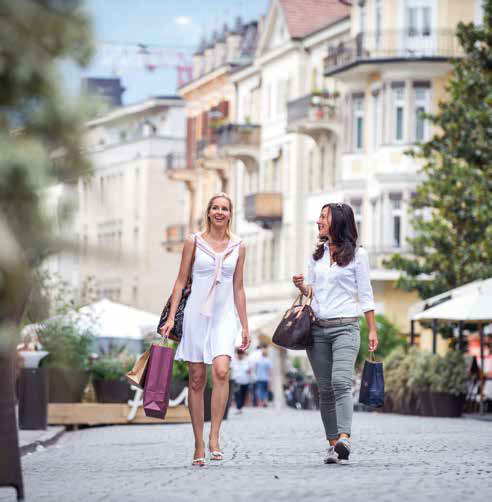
{"x": 269, "y": 456}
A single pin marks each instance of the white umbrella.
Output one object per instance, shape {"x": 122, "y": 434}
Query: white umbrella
{"x": 473, "y": 307}
{"x": 107, "y": 319}
{"x": 114, "y": 320}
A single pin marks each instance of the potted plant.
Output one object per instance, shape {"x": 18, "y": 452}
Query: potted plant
{"x": 108, "y": 377}
{"x": 420, "y": 381}
{"x": 395, "y": 377}
{"x": 69, "y": 348}
{"x": 448, "y": 385}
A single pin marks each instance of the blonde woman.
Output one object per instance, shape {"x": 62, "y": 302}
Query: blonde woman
{"x": 210, "y": 323}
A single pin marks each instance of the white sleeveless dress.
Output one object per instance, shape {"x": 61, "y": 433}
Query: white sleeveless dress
{"x": 210, "y": 323}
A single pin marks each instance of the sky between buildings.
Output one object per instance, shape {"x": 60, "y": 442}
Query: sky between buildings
{"x": 175, "y": 26}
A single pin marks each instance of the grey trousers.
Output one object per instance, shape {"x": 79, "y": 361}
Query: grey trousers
{"x": 332, "y": 358}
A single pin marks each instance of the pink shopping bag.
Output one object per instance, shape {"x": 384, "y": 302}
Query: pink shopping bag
{"x": 158, "y": 381}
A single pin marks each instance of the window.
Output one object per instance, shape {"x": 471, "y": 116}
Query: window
{"x": 357, "y": 208}
{"x": 379, "y": 20}
{"x": 334, "y": 164}
{"x": 376, "y": 133}
{"x": 398, "y": 111}
{"x": 421, "y": 106}
{"x": 314, "y": 80}
{"x": 396, "y": 215}
{"x": 358, "y": 122}
{"x": 374, "y": 224}
{"x": 322, "y": 162}
{"x": 311, "y": 171}
{"x": 418, "y": 18}
{"x": 362, "y": 18}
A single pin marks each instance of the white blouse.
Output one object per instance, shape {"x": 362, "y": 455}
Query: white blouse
{"x": 336, "y": 289}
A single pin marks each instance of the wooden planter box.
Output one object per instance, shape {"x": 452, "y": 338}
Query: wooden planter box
{"x": 112, "y": 391}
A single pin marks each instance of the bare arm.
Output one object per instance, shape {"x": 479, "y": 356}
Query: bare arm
{"x": 373, "y": 337}
{"x": 240, "y": 295}
{"x": 181, "y": 280}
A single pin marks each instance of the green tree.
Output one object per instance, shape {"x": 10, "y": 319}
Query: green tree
{"x": 452, "y": 210}
{"x": 41, "y": 133}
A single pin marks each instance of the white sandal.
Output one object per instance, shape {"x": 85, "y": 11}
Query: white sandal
{"x": 199, "y": 462}
{"x": 216, "y": 455}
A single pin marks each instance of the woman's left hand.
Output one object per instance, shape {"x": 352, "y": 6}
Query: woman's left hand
{"x": 246, "y": 341}
{"x": 373, "y": 341}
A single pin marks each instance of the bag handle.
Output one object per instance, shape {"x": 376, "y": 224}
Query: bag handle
{"x": 190, "y": 271}
{"x": 372, "y": 357}
{"x": 298, "y": 299}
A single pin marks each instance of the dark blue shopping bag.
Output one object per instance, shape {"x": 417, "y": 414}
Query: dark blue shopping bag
{"x": 372, "y": 384}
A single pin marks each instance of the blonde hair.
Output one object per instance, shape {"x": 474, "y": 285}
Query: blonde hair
{"x": 207, "y": 212}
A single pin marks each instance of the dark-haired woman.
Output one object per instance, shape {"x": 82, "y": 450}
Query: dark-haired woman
{"x": 338, "y": 275}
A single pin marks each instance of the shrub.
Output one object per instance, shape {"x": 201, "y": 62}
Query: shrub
{"x": 68, "y": 345}
{"x": 111, "y": 367}
{"x": 450, "y": 374}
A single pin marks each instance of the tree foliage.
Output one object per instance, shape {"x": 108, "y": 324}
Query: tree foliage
{"x": 452, "y": 209}
{"x": 41, "y": 132}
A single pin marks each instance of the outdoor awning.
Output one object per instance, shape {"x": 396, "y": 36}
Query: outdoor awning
{"x": 472, "y": 307}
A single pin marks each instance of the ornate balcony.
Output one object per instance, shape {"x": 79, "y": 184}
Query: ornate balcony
{"x": 240, "y": 141}
{"x": 263, "y": 207}
{"x": 177, "y": 168}
{"x": 207, "y": 156}
{"x": 316, "y": 114}
{"x": 359, "y": 55}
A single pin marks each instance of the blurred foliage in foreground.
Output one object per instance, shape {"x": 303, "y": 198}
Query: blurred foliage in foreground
{"x": 41, "y": 132}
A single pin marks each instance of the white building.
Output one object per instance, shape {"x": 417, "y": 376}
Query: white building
{"x": 128, "y": 202}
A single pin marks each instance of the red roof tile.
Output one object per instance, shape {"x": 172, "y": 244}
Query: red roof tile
{"x": 308, "y": 16}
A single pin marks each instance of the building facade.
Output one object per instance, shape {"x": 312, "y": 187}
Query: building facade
{"x": 126, "y": 204}
{"x": 324, "y": 111}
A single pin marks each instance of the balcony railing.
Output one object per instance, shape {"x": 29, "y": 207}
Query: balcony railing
{"x": 377, "y": 255}
{"x": 315, "y": 107}
{"x": 201, "y": 146}
{"x": 265, "y": 207}
{"x": 392, "y": 45}
{"x": 238, "y": 135}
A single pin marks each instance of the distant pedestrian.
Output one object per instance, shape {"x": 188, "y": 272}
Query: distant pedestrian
{"x": 252, "y": 358}
{"x": 338, "y": 273}
{"x": 263, "y": 371}
{"x": 211, "y": 314}
{"x": 241, "y": 374}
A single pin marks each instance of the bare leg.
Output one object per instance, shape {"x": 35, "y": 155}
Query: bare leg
{"x": 197, "y": 381}
{"x": 220, "y": 394}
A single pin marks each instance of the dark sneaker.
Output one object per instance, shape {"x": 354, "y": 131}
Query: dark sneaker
{"x": 342, "y": 448}
{"x": 331, "y": 456}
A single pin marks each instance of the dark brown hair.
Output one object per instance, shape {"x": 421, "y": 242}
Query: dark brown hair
{"x": 343, "y": 234}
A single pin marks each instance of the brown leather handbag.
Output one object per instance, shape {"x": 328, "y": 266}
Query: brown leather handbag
{"x": 294, "y": 330}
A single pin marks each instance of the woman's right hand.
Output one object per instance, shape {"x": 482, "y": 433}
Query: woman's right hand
{"x": 298, "y": 281}
{"x": 167, "y": 328}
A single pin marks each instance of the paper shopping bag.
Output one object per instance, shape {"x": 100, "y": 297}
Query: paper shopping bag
{"x": 372, "y": 384}
{"x": 136, "y": 376}
{"x": 158, "y": 381}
